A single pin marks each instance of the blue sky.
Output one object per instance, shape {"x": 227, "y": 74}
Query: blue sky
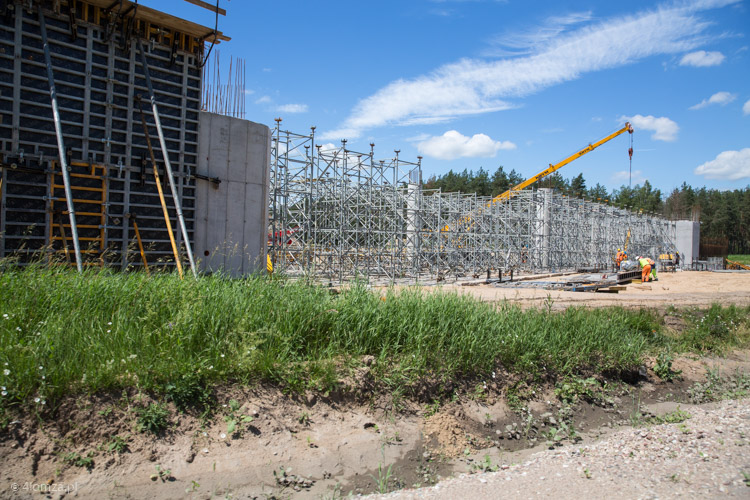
{"x": 483, "y": 83}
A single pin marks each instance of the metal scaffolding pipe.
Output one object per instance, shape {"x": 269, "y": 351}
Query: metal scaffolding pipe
{"x": 167, "y": 165}
{"x": 60, "y": 141}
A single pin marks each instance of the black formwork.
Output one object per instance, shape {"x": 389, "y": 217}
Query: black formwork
{"x": 98, "y": 76}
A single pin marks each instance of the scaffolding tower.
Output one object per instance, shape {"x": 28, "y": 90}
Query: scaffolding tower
{"x": 338, "y": 214}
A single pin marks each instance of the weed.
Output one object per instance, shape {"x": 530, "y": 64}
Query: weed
{"x": 746, "y": 478}
{"x": 189, "y": 391}
{"x": 587, "y": 473}
{"x": 485, "y": 465}
{"x": 194, "y": 485}
{"x": 571, "y": 389}
{"x": 663, "y": 367}
{"x": 716, "y": 387}
{"x": 86, "y": 461}
{"x": 304, "y": 419}
{"x": 384, "y": 476}
{"x": 163, "y": 474}
{"x": 235, "y": 420}
{"x": 118, "y": 444}
{"x": 153, "y": 418}
{"x": 432, "y": 408}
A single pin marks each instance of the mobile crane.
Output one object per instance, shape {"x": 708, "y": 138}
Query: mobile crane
{"x": 557, "y": 166}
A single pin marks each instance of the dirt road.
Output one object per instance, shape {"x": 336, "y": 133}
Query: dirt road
{"x": 706, "y": 456}
{"x": 680, "y": 289}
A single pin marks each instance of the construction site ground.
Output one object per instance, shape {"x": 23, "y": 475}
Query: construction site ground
{"x": 678, "y": 289}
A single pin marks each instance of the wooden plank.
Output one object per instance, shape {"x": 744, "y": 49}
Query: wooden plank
{"x": 163, "y": 19}
{"x": 206, "y": 5}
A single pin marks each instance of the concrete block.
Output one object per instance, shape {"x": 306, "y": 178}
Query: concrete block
{"x": 231, "y": 219}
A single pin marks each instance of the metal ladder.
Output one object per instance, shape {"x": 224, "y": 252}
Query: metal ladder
{"x": 88, "y": 185}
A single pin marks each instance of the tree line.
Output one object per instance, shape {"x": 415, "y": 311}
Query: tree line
{"x": 724, "y": 215}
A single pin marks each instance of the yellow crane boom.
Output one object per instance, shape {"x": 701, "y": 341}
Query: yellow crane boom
{"x": 552, "y": 168}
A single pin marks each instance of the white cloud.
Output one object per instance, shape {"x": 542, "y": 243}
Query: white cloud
{"x": 263, "y": 100}
{"x": 329, "y": 146}
{"x": 702, "y": 59}
{"x": 625, "y": 176}
{"x": 453, "y": 144}
{"x": 530, "y": 41}
{"x": 746, "y": 108}
{"x": 729, "y": 165}
{"x": 292, "y": 108}
{"x": 472, "y": 86}
{"x": 720, "y": 98}
{"x": 664, "y": 129}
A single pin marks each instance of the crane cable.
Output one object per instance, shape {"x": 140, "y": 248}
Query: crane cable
{"x": 216, "y": 30}
{"x": 630, "y": 154}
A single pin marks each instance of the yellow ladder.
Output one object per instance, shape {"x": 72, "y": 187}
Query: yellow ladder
{"x": 89, "y": 188}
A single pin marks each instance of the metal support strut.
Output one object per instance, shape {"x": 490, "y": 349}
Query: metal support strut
{"x": 163, "y": 201}
{"x": 60, "y": 142}
{"x": 165, "y": 155}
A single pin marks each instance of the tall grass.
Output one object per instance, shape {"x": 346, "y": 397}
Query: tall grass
{"x": 62, "y": 332}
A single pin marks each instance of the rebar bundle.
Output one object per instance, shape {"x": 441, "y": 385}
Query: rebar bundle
{"x": 222, "y": 98}
{"x": 339, "y": 214}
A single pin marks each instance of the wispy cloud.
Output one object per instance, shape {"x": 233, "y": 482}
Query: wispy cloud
{"x": 534, "y": 40}
{"x": 746, "y": 108}
{"x": 263, "y": 100}
{"x": 472, "y": 86}
{"x": 453, "y": 144}
{"x": 720, "y": 98}
{"x": 729, "y": 165}
{"x": 702, "y": 59}
{"x": 664, "y": 129}
{"x": 292, "y": 108}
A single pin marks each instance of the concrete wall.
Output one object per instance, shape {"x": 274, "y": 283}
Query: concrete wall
{"x": 230, "y": 218}
{"x": 687, "y": 239}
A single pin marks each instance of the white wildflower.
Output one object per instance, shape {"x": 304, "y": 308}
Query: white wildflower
{"x": 36, "y": 400}
{"x": 223, "y": 436}
{"x": 6, "y": 372}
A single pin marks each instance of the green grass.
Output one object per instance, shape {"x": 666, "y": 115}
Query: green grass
{"x": 63, "y": 333}
{"x": 742, "y": 259}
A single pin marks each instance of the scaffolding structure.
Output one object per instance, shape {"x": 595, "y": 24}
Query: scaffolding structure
{"x": 338, "y": 214}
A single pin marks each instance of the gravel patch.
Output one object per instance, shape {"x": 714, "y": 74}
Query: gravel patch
{"x": 703, "y": 457}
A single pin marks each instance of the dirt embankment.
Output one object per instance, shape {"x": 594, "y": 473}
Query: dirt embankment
{"x": 311, "y": 446}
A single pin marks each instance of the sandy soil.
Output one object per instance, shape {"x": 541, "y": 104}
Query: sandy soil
{"x": 681, "y": 289}
{"x": 706, "y": 456}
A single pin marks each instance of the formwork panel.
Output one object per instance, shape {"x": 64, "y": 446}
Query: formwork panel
{"x": 98, "y": 77}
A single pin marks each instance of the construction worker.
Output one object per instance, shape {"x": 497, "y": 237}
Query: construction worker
{"x": 619, "y": 258}
{"x": 648, "y": 266}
